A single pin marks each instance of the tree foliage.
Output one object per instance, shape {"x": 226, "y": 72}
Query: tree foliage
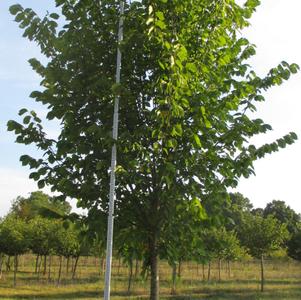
{"x": 283, "y": 213}
{"x": 263, "y": 235}
{"x": 185, "y": 98}
{"x": 39, "y": 204}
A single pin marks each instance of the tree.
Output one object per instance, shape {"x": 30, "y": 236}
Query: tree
{"x": 185, "y": 92}
{"x": 39, "y": 204}
{"x": 283, "y": 213}
{"x": 261, "y": 236}
{"x": 67, "y": 244}
{"x": 42, "y": 236}
{"x": 294, "y": 244}
{"x": 14, "y": 239}
{"x": 237, "y": 206}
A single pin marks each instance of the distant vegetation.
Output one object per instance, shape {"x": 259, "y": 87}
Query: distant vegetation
{"x": 44, "y": 227}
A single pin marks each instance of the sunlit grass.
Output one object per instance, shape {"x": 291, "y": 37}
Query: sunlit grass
{"x": 283, "y": 281}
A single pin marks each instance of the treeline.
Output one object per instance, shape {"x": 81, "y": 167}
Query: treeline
{"x": 45, "y": 227}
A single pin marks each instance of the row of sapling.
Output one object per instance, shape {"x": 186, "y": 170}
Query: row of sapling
{"x": 42, "y": 237}
{"x": 202, "y": 242}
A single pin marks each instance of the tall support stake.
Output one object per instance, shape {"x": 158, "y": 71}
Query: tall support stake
{"x": 113, "y": 165}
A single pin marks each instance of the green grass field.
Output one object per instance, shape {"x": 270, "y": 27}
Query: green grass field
{"x": 283, "y": 281}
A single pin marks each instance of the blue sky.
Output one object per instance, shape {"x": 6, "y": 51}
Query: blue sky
{"x": 275, "y": 31}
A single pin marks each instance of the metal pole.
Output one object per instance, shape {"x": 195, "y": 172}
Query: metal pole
{"x": 113, "y": 165}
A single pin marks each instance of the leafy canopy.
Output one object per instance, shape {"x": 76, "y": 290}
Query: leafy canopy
{"x": 185, "y": 101}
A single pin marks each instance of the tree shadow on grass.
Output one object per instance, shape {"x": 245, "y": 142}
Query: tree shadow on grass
{"x": 76, "y": 295}
{"x": 243, "y": 294}
{"x": 240, "y": 281}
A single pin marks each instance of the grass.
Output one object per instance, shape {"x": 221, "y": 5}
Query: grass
{"x": 283, "y": 281}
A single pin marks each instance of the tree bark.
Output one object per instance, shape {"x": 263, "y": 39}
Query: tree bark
{"x": 180, "y": 269}
{"x": 49, "y": 268}
{"x": 102, "y": 265}
{"x": 174, "y": 277}
{"x": 219, "y": 269}
{"x": 67, "y": 265}
{"x": 1, "y": 264}
{"x": 45, "y": 265}
{"x": 75, "y": 266}
{"x": 60, "y": 271}
{"x": 154, "y": 287}
{"x": 209, "y": 270}
{"x": 119, "y": 264}
{"x": 262, "y": 273}
{"x": 37, "y": 263}
{"x": 8, "y": 264}
{"x": 136, "y": 268}
{"x": 15, "y": 269}
{"x": 130, "y": 275}
{"x": 229, "y": 269}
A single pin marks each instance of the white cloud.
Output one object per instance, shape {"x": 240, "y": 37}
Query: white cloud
{"x": 14, "y": 183}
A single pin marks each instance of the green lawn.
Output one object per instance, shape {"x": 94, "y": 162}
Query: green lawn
{"x": 283, "y": 281}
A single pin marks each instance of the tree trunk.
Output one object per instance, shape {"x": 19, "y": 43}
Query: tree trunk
{"x": 136, "y": 268}
{"x": 209, "y": 270}
{"x": 118, "y": 268}
{"x": 102, "y": 265}
{"x": 45, "y": 265}
{"x": 60, "y": 271}
{"x": 154, "y": 287}
{"x": 8, "y": 264}
{"x": 15, "y": 269}
{"x": 262, "y": 273}
{"x": 174, "y": 277}
{"x": 203, "y": 271}
{"x": 1, "y": 264}
{"x": 39, "y": 266}
{"x": 130, "y": 275}
{"x": 75, "y": 266}
{"x": 180, "y": 268}
{"x": 229, "y": 269}
{"x": 219, "y": 269}
{"x": 49, "y": 268}
{"x": 37, "y": 263}
{"x": 67, "y": 265}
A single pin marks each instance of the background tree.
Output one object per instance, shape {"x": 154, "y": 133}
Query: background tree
{"x": 283, "y": 213}
{"x": 185, "y": 93}
{"x": 236, "y": 207}
{"x": 39, "y": 204}
{"x": 14, "y": 239}
{"x": 42, "y": 236}
{"x": 294, "y": 244}
{"x": 261, "y": 236}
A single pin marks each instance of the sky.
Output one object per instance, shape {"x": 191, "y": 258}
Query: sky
{"x": 274, "y": 30}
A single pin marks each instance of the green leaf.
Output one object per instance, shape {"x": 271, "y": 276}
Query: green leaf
{"x": 41, "y": 184}
{"x": 54, "y": 16}
{"x": 293, "y": 135}
{"x": 294, "y": 68}
{"x": 26, "y": 120}
{"x": 160, "y": 15}
{"x": 22, "y": 111}
{"x": 160, "y": 24}
{"x": 182, "y": 53}
{"x": 177, "y": 130}
{"x": 197, "y": 140}
{"x": 14, "y": 9}
{"x": 19, "y": 17}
